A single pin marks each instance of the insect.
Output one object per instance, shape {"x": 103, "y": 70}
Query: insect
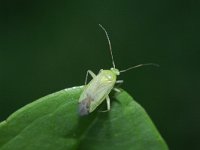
{"x": 98, "y": 89}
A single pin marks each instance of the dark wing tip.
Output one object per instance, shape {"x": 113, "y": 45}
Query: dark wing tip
{"x": 84, "y": 106}
{"x": 83, "y": 109}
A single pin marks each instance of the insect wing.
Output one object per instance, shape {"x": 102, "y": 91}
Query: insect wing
{"x": 95, "y": 92}
{"x": 99, "y": 88}
{"x": 100, "y": 95}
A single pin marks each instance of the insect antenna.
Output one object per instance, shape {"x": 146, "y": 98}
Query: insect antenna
{"x": 110, "y": 47}
{"x": 140, "y": 65}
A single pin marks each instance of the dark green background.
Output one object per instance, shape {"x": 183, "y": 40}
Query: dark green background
{"x": 46, "y": 46}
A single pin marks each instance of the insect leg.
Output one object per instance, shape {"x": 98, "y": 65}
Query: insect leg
{"x": 119, "y": 81}
{"x": 91, "y": 73}
{"x": 116, "y": 90}
{"x": 108, "y": 103}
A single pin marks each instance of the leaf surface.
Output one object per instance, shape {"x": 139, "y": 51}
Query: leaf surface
{"x": 53, "y": 123}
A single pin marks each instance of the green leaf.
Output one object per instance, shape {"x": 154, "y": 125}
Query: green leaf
{"x": 53, "y": 123}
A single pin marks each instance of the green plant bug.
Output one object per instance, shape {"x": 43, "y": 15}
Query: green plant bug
{"x": 98, "y": 89}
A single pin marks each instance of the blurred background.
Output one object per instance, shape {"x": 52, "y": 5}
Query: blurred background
{"x": 46, "y": 46}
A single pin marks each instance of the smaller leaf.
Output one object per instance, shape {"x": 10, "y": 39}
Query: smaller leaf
{"x": 53, "y": 122}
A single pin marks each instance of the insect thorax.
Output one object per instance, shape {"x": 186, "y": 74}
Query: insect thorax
{"x": 108, "y": 75}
